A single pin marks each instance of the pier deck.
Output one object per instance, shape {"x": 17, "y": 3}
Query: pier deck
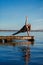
{"x": 9, "y": 38}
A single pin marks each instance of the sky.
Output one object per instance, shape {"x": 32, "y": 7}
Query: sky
{"x": 13, "y": 14}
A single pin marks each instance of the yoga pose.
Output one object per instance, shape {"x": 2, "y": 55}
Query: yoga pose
{"x": 26, "y": 27}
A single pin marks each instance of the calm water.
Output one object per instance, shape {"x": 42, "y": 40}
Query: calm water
{"x": 22, "y": 52}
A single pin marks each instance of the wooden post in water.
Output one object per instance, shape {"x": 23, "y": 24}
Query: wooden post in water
{"x": 3, "y": 41}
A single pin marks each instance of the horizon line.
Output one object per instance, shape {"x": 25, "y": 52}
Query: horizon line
{"x": 30, "y": 30}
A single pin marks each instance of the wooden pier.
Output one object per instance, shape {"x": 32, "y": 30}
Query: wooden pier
{"x": 10, "y": 38}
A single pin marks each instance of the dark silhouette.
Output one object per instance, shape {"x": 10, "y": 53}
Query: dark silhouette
{"x": 26, "y": 27}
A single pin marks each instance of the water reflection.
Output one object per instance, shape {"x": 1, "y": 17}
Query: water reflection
{"x": 26, "y": 51}
{"x": 26, "y": 54}
{"x": 24, "y": 48}
{"x": 18, "y": 43}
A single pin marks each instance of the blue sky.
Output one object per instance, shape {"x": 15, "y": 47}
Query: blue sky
{"x": 13, "y": 12}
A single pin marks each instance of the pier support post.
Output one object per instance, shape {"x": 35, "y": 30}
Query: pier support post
{"x": 3, "y": 41}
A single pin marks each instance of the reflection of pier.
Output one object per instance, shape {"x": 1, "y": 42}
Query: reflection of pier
{"x": 24, "y": 49}
{"x": 27, "y": 43}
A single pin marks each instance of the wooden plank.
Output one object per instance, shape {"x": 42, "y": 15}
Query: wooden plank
{"x": 17, "y": 37}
